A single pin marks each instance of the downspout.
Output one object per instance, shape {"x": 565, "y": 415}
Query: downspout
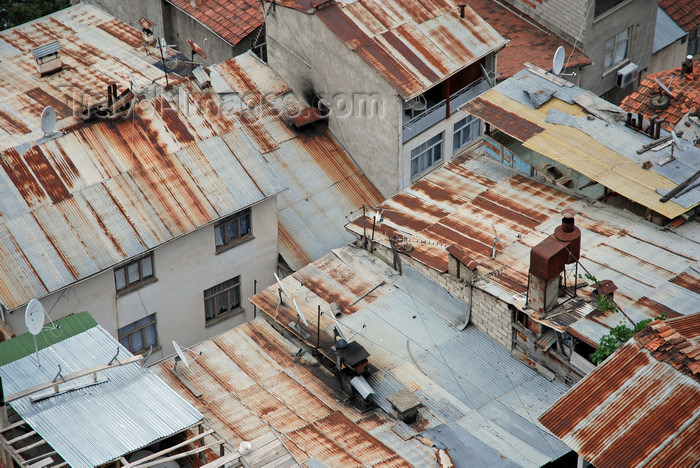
{"x": 4, "y": 422}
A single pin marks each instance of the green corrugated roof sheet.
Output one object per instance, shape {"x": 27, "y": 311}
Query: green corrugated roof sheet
{"x": 23, "y": 345}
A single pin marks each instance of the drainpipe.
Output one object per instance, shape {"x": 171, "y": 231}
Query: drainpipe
{"x": 4, "y": 422}
{"x": 471, "y": 293}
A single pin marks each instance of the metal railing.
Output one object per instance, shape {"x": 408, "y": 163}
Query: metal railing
{"x": 437, "y": 112}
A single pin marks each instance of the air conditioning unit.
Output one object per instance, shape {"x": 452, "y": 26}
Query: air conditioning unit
{"x": 626, "y": 75}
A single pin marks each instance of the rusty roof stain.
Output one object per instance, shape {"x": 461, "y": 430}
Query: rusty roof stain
{"x": 231, "y": 20}
{"x": 412, "y": 45}
{"x": 529, "y": 41}
{"x": 511, "y": 123}
{"x": 460, "y": 205}
{"x": 642, "y": 405}
{"x": 99, "y": 193}
{"x": 686, "y": 96}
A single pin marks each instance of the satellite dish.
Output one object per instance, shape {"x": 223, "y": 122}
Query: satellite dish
{"x": 676, "y": 141}
{"x": 34, "y": 317}
{"x": 180, "y": 354}
{"x": 132, "y": 81}
{"x": 558, "y": 60}
{"x": 282, "y": 287}
{"x": 663, "y": 87}
{"x": 340, "y": 333}
{"x": 196, "y": 49}
{"x": 48, "y": 120}
{"x": 299, "y": 314}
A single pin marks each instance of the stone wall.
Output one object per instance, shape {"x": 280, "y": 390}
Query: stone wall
{"x": 489, "y": 314}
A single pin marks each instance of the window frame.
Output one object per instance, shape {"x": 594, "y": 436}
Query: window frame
{"x": 434, "y": 144}
{"x": 212, "y": 294}
{"x": 139, "y": 329}
{"x": 466, "y": 126}
{"x": 613, "y": 48}
{"x": 142, "y": 281}
{"x": 230, "y": 242}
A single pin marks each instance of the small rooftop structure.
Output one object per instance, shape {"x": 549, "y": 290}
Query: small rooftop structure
{"x": 115, "y": 408}
{"x": 641, "y": 407}
{"x": 472, "y": 198}
{"x": 582, "y": 132}
{"x": 528, "y": 41}
{"x": 683, "y": 100}
{"x": 412, "y": 46}
{"x": 476, "y": 401}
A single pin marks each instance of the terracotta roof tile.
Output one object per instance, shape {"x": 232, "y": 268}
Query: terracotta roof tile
{"x": 232, "y": 20}
{"x": 686, "y": 13}
{"x": 686, "y": 91}
{"x": 527, "y": 42}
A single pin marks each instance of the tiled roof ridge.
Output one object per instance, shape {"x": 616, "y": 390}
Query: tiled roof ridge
{"x": 668, "y": 345}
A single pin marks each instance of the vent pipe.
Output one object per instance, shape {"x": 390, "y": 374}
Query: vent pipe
{"x": 462, "y": 9}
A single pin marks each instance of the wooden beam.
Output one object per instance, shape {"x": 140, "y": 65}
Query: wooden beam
{"x": 29, "y": 447}
{"x": 179, "y": 455}
{"x": 43, "y": 455}
{"x": 169, "y": 449}
{"x": 73, "y": 376}
{"x": 42, "y": 463}
{"x": 231, "y": 457}
{"x": 12, "y": 426}
{"x": 24, "y": 436}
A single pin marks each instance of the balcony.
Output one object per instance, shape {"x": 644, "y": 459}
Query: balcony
{"x": 420, "y": 114}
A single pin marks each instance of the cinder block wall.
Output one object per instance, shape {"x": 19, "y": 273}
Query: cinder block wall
{"x": 489, "y": 314}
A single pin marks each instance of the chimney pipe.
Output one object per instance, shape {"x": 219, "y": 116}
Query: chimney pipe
{"x": 652, "y": 125}
{"x": 657, "y": 132}
{"x": 109, "y": 97}
{"x": 629, "y": 119}
{"x": 640, "y": 121}
{"x": 689, "y": 64}
{"x": 462, "y": 8}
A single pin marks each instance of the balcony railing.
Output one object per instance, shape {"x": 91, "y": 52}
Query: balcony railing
{"x": 438, "y": 112}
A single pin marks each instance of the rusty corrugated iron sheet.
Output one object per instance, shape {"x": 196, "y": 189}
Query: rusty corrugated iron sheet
{"x": 251, "y": 383}
{"x": 474, "y": 198}
{"x": 506, "y": 121}
{"x": 641, "y": 407}
{"x": 103, "y": 192}
{"x": 413, "y": 46}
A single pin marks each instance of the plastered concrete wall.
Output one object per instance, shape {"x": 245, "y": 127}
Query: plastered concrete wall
{"x": 563, "y": 17}
{"x": 669, "y": 57}
{"x": 489, "y": 314}
{"x": 180, "y": 26}
{"x": 130, "y": 11}
{"x": 307, "y": 55}
{"x": 184, "y": 268}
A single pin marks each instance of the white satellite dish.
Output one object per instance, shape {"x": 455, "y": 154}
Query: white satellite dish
{"x": 180, "y": 354}
{"x": 48, "y": 120}
{"x": 558, "y": 60}
{"x": 134, "y": 87}
{"x": 299, "y": 314}
{"x": 34, "y": 317}
{"x": 341, "y": 335}
{"x": 282, "y": 287}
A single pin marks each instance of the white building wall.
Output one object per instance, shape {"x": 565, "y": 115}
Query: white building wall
{"x": 308, "y": 56}
{"x": 184, "y": 268}
{"x": 671, "y": 56}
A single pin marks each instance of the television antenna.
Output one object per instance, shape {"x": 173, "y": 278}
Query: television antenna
{"x": 48, "y": 121}
{"x": 181, "y": 356}
{"x": 134, "y": 87}
{"x": 281, "y": 288}
{"x": 496, "y": 240}
{"x": 558, "y": 60}
{"x": 34, "y": 320}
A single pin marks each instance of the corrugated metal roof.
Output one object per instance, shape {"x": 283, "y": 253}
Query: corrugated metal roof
{"x": 413, "y": 46}
{"x": 92, "y": 426}
{"x": 46, "y": 49}
{"x": 604, "y": 151}
{"x": 666, "y": 31}
{"x": 642, "y": 405}
{"x": 23, "y": 345}
{"x": 412, "y": 343}
{"x": 104, "y": 192}
{"x": 464, "y": 201}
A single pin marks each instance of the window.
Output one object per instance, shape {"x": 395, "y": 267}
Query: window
{"x": 617, "y": 48}
{"x": 134, "y": 274}
{"x": 426, "y": 155}
{"x": 232, "y": 229}
{"x": 139, "y": 335}
{"x": 465, "y": 131}
{"x": 223, "y": 298}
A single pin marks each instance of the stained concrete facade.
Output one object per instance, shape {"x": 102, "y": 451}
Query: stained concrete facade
{"x": 184, "y": 268}
{"x": 577, "y": 22}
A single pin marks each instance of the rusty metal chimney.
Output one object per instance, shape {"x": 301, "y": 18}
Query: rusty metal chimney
{"x": 462, "y": 9}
